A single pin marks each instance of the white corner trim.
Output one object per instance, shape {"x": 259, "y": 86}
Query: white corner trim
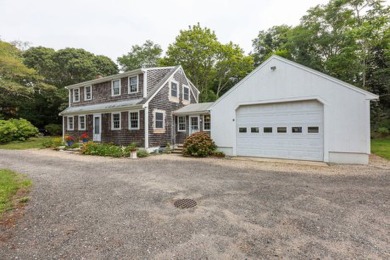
{"x": 146, "y": 127}
{"x": 145, "y": 84}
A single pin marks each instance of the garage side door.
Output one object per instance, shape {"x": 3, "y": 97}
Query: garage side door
{"x": 292, "y": 130}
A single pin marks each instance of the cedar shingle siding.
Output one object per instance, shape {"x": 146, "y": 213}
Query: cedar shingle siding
{"x": 101, "y": 93}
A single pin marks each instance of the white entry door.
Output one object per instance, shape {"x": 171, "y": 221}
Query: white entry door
{"x": 97, "y": 127}
{"x": 291, "y": 130}
{"x": 194, "y": 124}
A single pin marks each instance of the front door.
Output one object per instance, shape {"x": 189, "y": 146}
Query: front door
{"x": 97, "y": 127}
{"x": 194, "y": 124}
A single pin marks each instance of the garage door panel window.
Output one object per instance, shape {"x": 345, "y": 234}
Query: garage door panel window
{"x": 282, "y": 130}
{"x": 267, "y": 130}
{"x": 254, "y": 130}
{"x": 296, "y": 129}
{"x": 242, "y": 130}
{"x": 313, "y": 129}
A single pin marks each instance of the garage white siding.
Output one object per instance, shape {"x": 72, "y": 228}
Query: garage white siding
{"x": 292, "y": 130}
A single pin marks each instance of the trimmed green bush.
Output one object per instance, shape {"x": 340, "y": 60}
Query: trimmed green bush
{"x": 53, "y": 142}
{"x": 142, "y": 153}
{"x": 199, "y": 144}
{"x": 112, "y": 150}
{"x": 54, "y": 129}
{"x": 16, "y": 130}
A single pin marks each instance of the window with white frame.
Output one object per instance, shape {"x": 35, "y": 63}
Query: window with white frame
{"x": 76, "y": 95}
{"x": 174, "y": 89}
{"x": 133, "y": 84}
{"x": 181, "y": 124}
{"x": 206, "y": 122}
{"x": 81, "y": 122}
{"x": 134, "y": 120}
{"x": 116, "y": 87}
{"x": 186, "y": 93}
{"x": 115, "y": 121}
{"x": 159, "y": 118}
{"x": 88, "y": 93}
{"x": 70, "y": 123}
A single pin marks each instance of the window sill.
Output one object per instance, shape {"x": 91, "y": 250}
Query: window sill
{"x": 159, "y": 131}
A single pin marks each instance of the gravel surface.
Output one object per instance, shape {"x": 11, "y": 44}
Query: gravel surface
{"x": 85, "y": 207}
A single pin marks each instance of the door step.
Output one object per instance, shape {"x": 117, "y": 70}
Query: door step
{"x": 178, "y": 149}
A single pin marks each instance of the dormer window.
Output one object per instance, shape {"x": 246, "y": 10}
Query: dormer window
{"x": 116, "y": 87}
{"x": 133, "y": 84}
{"x": 88, "y": 93}
{"x": 76, "y": 95}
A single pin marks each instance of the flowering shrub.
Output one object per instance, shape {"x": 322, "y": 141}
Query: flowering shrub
{"x": 69, "y": 138}
{"x": 84, "y": 135}
{"x": 198, "y": 145}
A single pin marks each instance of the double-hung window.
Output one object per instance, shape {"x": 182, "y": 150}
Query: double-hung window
{"x": 133, "y": 84}
{"x": 76, "y": 95}
{"x": 116, "y": 87}
{"x": 186, "y": 93}
{"x": 81, "y": 122}
{"x": 115, "y": 121}
{"x": 174, "y": 89}
{"x": 181, "y": 124}
{"x": 88, "y": 93}
{"x": 206, "y": 122}
{"x": 159, "y": 120}
{"x": 134, "y": 120}
{"x": 70, "y": 123}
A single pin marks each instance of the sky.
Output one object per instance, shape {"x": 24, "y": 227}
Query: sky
{"x": 111, "y": 27}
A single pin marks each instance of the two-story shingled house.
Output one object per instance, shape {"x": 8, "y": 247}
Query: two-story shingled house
{"x": 135, "y": 106}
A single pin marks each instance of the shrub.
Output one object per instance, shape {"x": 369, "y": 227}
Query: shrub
{"x": 53, "y": 129}
{"x": 16, "y": 130}
{"x": 53, "y": 142}
{"x": 199, "y": 145}
{"x": 92, "y": 148}
{"x": 219, "y": 154}
{"x": 142, "y": 153}
{"x": 383, "y": 131}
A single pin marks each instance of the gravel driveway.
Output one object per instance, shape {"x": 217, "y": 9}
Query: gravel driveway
{"x": 85, "y": 207}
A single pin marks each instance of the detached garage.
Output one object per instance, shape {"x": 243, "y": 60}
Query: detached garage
{"x": 286, "y": 110}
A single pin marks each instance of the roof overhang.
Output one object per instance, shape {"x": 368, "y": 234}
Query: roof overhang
{"x": 103, "y": 108}
{"x": 191, "y": 113}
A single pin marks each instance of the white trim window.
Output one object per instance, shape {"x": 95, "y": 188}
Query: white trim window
{"x": 133, "y": 84}
{"x": 181, "y": 124}
{"x": 116, "y": 121}
{"x": 116, "y": 87}
{"x": 186, "y": 93}
{"x": 159, "y": 120}
{"x": 82, "y": 122}
{"x": 174, "y": 91}
{"x": 76, "y": 95}
{"x": 206, "y": 123}
{"x": 133, "y": 120}
{"x": 70, "y": 123}
{"x": 87, "y": 93}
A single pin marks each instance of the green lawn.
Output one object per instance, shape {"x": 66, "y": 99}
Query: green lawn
{"x": 35, "y": 142}
{"x": 10, "y": 184}
{"x": 381, "y": 147}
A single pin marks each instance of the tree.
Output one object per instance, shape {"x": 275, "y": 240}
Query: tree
{"x": 206, "y": 61}
{"x": 18, "y": 83}
{"x": 68, "y": 66}
{"x": 144, "y": 56}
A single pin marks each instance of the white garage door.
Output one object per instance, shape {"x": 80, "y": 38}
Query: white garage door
{"x": 292, "y": 130}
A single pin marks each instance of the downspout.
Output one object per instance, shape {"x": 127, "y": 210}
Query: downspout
{"x": 146, "y": 126}
{"x": 63, "y": 129}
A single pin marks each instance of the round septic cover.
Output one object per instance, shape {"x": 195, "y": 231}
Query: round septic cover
{"x": 185, "y": 203}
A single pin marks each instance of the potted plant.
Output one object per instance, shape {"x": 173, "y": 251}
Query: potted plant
{"x": 133, "y": 150}
{"x": 69, "y": 140}
{"x": 84, "y": 137}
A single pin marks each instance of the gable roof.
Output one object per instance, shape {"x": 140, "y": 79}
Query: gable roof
{"x": 368, "y": 94}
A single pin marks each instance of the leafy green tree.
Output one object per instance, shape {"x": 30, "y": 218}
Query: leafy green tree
{"x": 18, "y": 83}
{"x": 144, "y": 56}
{"x": 206, "y": 61}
